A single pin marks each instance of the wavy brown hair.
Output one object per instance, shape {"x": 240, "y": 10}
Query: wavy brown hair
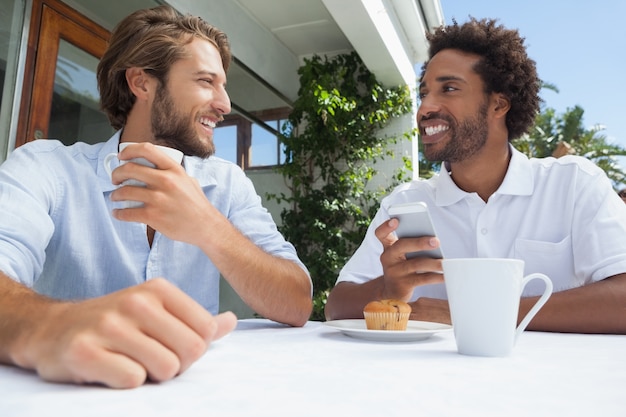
{"x": 152, "y": 39}
{"x": 504, "y": 65}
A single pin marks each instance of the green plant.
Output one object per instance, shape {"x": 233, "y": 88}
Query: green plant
{"x": 331, "y": 144}
{"x": 552, "y": 129}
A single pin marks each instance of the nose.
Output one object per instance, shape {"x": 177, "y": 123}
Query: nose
{"x": 221, "y": 102}
{"x": 427, "y": 106}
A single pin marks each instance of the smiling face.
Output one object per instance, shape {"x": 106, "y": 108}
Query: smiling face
{"x": 187, "y": 109}
{"x": 452, "y": 116}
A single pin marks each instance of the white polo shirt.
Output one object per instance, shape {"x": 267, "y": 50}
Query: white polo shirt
{"x": 561, "y": 216}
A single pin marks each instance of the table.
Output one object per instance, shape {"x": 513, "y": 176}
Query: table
{"x": 268, "y": 369}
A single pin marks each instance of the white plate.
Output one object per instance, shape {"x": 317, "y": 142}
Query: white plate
{"x": 415, "y": 330}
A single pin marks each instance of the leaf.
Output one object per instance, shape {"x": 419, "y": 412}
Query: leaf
{"x": 331, "y": 147}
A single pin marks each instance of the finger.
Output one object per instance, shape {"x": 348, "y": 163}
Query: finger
{"x": 131, "y": 192}
{"x": 185, "y": 308}
{"x": 384, "y": 232}
{"x": 146, "y": 333}
{"x": 408, "y": 245}
{"x": 170, "y": 337}
{"x": 136, "y": 150}
{"x": 402, "y": 275}
{"x": 422, "y": 264}
{"x": 226, "y": 322}
{"x": 422, "y": 271}
{"x": 146, "y": 180}
{"x": 119, "y": 371}
{"x": 114, "y": 370}
{"x": 135, "y": 169}
{"x": 149, "y": 152}
{"x": 154, "y": 351}
{"x": 86, "y": 361}
{"x": 223, "y": 324}
{"x": 195, "y": 316}
{"x": 173, "y": 351}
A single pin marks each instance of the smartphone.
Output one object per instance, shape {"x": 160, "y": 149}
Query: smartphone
{"x": 415, "y": 221}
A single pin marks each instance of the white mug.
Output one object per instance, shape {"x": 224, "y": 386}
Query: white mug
{"x": 484, "y": 296}
{"x": 175, "y": 154}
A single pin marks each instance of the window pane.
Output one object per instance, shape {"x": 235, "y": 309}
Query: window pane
{"x": 75, "y": 113}
{"x": 285, "y": 128}
{"x": 6, "y": 40}
{"x": 11, "y": 26}
{"x": 225, "y": 140}
{"x": 264, "y": 146}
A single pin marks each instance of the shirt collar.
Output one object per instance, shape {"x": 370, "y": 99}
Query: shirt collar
{"x": 517, "y": 181}
{"x": 519, "y": 178}
{"x": 110, "y": 146}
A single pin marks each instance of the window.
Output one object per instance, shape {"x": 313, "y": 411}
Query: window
{"x": 248, "y": 143}
{"x": 11, "y": 22}
{"x": 225, "y": 140}
{"x": 60, "y": 98}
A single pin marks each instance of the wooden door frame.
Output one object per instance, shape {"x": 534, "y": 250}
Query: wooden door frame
{"x": 59, "y": 21}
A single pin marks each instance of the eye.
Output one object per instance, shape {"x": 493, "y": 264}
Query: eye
{"x": 449, "y": 88}
{"x": 207, "y": 80}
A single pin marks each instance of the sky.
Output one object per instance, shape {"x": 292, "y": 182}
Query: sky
{"x": 580, "y": 47}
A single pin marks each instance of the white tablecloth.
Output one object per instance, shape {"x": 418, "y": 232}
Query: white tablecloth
{"x": 267, "y": 369}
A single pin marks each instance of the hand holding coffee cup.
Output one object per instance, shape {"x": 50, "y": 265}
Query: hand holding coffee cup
{"x": 174, "y": 154}
{"x": 484, "y": 296}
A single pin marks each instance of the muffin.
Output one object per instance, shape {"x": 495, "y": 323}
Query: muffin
{"x": 386, "y": 315}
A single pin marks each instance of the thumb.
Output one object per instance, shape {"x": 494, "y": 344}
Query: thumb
{"x": 384, "y": 232}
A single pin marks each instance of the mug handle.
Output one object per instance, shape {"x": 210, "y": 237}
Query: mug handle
{"x": 107, "y": 163}
{"x": 547, "y": 292}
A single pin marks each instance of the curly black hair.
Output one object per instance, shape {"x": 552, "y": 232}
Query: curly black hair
{"x": 504, "y": 66}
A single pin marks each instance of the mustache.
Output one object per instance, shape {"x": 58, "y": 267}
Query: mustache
{"x": 213, "y": 115}
{"x": 432, "y": 116}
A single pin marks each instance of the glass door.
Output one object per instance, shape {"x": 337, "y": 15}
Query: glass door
{"x": 74, "y": 111}
{"x": 61, "y": 102}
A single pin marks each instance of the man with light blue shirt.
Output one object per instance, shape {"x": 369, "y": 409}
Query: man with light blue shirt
{"x": 90, "y": 292}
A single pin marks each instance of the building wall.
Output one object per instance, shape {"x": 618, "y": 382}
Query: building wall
{"x": 251, "y": 44}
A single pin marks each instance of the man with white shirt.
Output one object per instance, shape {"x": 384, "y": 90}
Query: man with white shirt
{"x": 479, "y": 90}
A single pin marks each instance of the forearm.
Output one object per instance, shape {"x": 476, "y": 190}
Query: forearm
{"x": 276, "y": 288}
{"x": 347, "y": 299}
{"x": 596, "y": 308}
{"x": 20, "y": 312}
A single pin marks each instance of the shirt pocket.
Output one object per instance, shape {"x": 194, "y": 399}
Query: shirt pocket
{"x": 553, "y": 259}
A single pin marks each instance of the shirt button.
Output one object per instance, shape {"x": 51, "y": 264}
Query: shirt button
{"x": 483, "y": 231}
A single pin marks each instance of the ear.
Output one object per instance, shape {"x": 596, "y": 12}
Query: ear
{"x": 500, "y": 104}
{"x": 138, "y": 82}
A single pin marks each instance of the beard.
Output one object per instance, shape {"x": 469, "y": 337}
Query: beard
{"x": 173, "y": 129}
{"x": 467, "y": 138}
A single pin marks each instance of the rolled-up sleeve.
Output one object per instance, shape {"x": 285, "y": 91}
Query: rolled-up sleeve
{"x": 25, "y": 224}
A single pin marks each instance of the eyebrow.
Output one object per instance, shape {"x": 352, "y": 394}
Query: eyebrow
{"x": 443, "y": 79}
{"x": 205, "y": 72}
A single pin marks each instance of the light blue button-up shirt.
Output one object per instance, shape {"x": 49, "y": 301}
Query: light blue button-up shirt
{"x": 57, "y": 234}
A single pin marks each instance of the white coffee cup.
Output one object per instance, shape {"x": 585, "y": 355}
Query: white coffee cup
{"x": 175, "y": 154}
{"x": 484, "y": 296}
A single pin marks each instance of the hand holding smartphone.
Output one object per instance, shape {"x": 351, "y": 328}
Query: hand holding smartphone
{"x": 414, "y": 221}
